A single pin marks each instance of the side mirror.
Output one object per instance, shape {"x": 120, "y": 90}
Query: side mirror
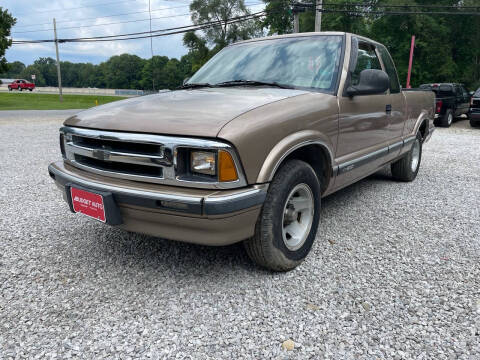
{"x": 471, "y": 93}
{"x": 371, "y": 82}
{"x": 185, "y": 80}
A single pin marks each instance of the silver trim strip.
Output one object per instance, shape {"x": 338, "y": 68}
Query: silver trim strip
{"x": 167, "y": 161}
{"x": 364, "y": 159}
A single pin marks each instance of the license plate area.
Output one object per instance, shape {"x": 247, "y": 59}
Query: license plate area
{"x": 88, "y": 203}
{"x": 99, "y": 205}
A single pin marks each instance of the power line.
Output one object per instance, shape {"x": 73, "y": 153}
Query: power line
{"x": 401, "y": 6}
{"x": 385, "y": 12}
{"x": 401, "y": 12}
{"x": 105, "y": 24}
{"x": 132, "y": 36}
{"x": 114, "y": 23}
{"x": 153, "y": 33}
{"x": 106, "y": 16}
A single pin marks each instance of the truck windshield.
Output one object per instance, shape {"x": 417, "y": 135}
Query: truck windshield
{"x": 303, "y": 62}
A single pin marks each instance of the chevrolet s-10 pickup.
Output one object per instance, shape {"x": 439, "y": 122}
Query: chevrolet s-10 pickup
{"x": 249, "y": 146}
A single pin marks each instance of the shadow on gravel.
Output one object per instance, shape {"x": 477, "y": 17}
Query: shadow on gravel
{"x": 147, "y": 253}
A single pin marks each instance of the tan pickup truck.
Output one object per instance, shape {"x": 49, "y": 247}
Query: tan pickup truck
{"x": 248, "y": 147}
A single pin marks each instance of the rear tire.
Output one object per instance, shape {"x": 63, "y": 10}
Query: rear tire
{"x": 447, "y": 119}
{"x": 474, "y": 123}
{"x": 19, "y": 89}
{"x": 287, "y": 226}
{"x": 406, "y": 169}
{"x": 30, "y": 90}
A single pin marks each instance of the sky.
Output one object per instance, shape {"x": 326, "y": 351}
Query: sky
{"x": 86, "y": 18}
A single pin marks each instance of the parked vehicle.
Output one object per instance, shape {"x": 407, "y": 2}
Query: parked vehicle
{"x": 21, "y": 85}
{"x": 249, "y": 146}
{"x": 452, "y": 100}
{"x": 475, "y": 109}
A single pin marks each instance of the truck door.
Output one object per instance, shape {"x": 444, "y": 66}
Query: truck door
{"x": 397, "y": 116}
{"x": 363, "y": 122}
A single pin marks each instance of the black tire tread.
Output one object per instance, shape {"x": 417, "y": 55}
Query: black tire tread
{"x": 444, "y": 119}
{"x": 263, "y": 252}
{"x": 401, "y": 170}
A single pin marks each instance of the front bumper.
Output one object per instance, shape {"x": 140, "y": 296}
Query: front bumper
{"x": 210, "y": 217}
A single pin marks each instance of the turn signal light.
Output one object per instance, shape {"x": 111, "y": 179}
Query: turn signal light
{"x": 226, "y": 167}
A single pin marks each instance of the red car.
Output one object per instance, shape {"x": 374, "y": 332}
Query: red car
{"x": 21, "y": 85}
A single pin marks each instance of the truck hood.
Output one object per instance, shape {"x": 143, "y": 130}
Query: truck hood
{"x": 197, "y": 112}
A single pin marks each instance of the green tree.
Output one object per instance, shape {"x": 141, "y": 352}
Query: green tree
{"x": 279, "y": 18}
{"x": 198, "y": 52}
{"x": 14, "y": 70}
{"x": 6, "y": 23}
{"x": 203, "y": 11}
{"x": 48, "y": 68}
{"x": 34, "y": 70}
{"x": 123, "y": 71}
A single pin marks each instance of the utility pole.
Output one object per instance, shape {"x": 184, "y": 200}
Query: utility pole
{"x": 59, "y": 74}
{"x": 151, "y": 46}
{"x": 297, "y": 8}
{"x": 410, "y": 62}
{"x": 296, "y": 22}
{"x": 318, "y": 15}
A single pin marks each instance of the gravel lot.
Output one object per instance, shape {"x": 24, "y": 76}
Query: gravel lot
{"x": 394, "y": 272}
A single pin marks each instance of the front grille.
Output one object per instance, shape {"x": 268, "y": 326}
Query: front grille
{"x": 128, "y": 147}
{"x": 120, "y": 168}
{"x": 140, "y": 157}
{"x": 120, "y": 155}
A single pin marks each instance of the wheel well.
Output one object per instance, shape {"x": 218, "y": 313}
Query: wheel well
{"x": 423, "y": 129}
{"x": 318, "y": 158}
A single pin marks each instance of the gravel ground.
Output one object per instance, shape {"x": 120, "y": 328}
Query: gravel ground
{"x": 394, "y": 272}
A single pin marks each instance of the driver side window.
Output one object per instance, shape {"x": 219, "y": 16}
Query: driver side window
{"x": 366, "y": 59}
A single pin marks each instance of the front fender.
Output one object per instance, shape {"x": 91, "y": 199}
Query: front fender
{"x": 287, "y": 146}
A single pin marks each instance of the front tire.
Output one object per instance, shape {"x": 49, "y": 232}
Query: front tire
{"x": 406, "y": 169}
{"x": 287, "y": 226}
{"x": 19, "y": 89}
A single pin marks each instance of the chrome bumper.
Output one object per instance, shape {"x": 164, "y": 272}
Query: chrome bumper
{"x": 211, "y": 203}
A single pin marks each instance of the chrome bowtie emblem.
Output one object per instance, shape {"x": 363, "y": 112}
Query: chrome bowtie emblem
{"x": 101, "y": 154}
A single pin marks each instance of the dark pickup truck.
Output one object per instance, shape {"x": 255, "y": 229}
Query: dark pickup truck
{"x": 452, "y": 100}
{"x": 475, "y": 109}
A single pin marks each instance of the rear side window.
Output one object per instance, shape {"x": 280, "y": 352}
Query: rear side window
{"x": 367, "y": 59}
{"x": 390, "y": 69}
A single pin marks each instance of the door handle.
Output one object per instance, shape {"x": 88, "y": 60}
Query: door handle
{"x": 388, "y": 109}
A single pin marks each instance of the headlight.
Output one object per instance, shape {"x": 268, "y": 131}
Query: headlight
{"x": 217, "y": 164}
{"x": 203, "y": 162}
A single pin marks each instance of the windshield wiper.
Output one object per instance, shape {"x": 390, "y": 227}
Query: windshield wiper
{"x": 253, "y": 83}
{"x": 195, "y": 85}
